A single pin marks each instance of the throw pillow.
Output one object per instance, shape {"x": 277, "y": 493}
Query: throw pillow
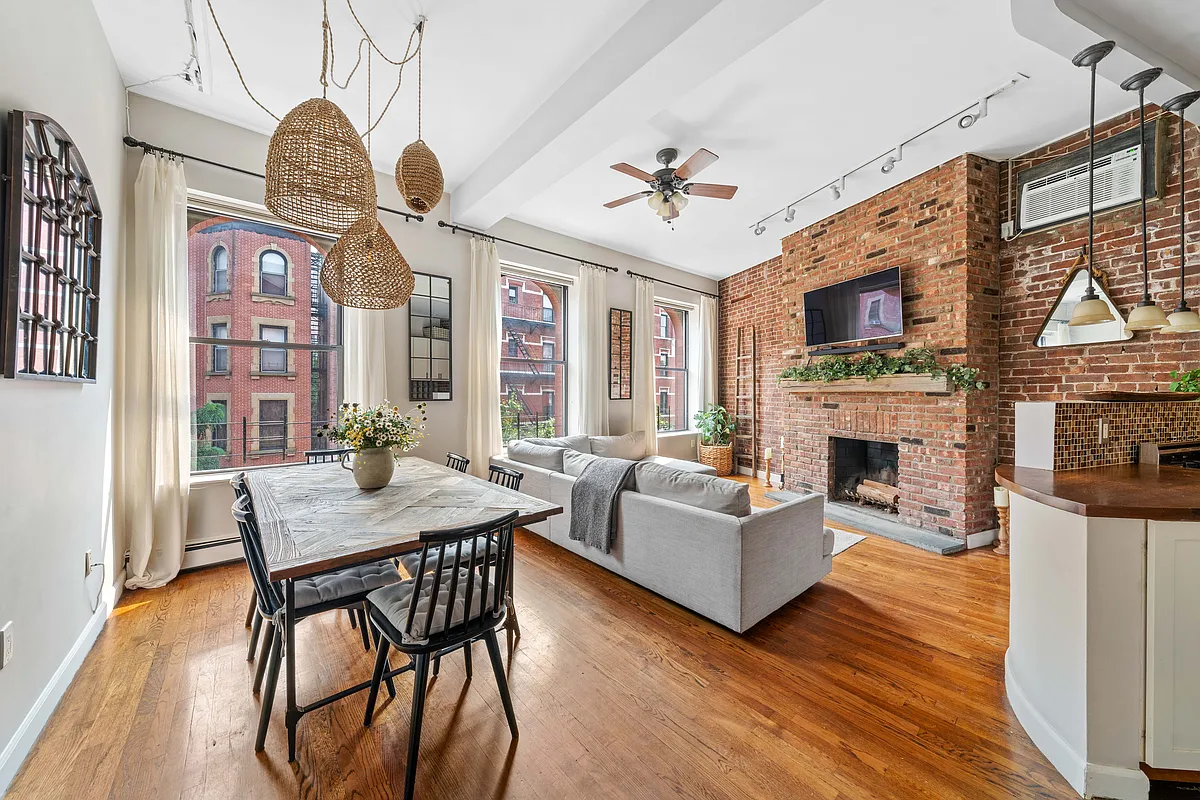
{"x": 578, "y": 443}
{"x": 574, "y": 462}
{"x": 631, "y": 446}
{"x": 537, "y": 455}
{"x": 698, "y": 491}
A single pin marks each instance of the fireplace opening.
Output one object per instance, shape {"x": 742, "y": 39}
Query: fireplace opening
{"x": 866, "y": 472}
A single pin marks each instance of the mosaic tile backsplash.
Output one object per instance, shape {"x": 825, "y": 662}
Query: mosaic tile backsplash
{"x": 1076, "y": 430}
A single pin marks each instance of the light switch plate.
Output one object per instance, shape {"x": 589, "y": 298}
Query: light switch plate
{"x": 6, "y": 635}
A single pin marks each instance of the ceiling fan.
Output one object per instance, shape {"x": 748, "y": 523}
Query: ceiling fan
{"x": 669, "y": 189}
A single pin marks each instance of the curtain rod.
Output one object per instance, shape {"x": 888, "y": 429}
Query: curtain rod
{"x": 490, "y": 237}
{"x": 132, "y": 142}
{"x": 668, "y": 283}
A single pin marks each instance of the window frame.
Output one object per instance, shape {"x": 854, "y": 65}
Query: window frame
{"x": 286, "y": 273}
{"x": 283, "y": 423}
{"x": 561, "y": 323}
{"x": 219, "y": 349}
{"x": 683, "y": 358}
{"x": 212, "y": 287}
{"x": 262, "y": 328}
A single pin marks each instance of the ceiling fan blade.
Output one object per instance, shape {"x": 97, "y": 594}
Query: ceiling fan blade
{"x": 700, "y": 159}
{"x": 628, "y": 199}
{"x": 718, "y": 190}
{"x": 633, "y": 172}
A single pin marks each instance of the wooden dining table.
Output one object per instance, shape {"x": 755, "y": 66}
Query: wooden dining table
{"x": 313, "y": 519}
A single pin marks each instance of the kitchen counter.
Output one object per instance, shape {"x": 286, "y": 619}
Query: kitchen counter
{"x": 1126, "y": 491}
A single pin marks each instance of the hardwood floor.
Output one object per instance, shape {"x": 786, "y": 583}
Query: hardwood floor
{"x": 885, "y": 680}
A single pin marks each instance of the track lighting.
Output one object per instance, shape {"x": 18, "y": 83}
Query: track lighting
{"x": 889, "y": 163}
{"x": 967, "y": 120}
{"x": 836, "y": 189}
{"x": 791, "y": 214}
{"x": 760, "y": 229}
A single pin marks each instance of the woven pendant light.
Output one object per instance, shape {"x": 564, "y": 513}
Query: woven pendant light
{"x": 318, "y": 173}
{"x": 418, "y": 171}
{"x": 364, "y": 269}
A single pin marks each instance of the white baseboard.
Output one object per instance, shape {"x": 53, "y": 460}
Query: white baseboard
{"x": 982, "y": 539}
{"x": 31, "y": 727}
{"x": 1090, "y": 780}
{"x": 776, "y": 480}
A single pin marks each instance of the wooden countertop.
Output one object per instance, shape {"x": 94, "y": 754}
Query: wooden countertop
{"x": 1126, "y": 491}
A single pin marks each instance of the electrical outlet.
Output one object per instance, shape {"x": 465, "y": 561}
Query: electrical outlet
{"x": 1007, "y": 230}
{"x": 87, "y": 563}
{"x": 6, "y": 635}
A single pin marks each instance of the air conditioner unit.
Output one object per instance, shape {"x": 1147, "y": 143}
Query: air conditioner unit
{"x": 1064, "y": 194}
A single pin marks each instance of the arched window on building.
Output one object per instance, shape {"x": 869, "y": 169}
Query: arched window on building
{"x": 272, "y": 273}
{"x": 220, "y": 270}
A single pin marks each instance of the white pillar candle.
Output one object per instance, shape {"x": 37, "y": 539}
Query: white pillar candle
{"x": 767, "y": 453}
{"x": 1001, "y": 497}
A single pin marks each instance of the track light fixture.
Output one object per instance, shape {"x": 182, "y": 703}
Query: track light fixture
{"x": 890, "y": 162}
{"x": 791, "y": 214}
{"x": 836, "y": 189}
{"x": 760, "y": 229}
{"x": 967, "y": 120}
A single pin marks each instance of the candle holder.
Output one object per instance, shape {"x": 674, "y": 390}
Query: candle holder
{"x": 768, "y": 460}
{"x": 1002, "y": 515}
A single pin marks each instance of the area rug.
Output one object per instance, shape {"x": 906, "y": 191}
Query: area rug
{"x": 844, "y": 540}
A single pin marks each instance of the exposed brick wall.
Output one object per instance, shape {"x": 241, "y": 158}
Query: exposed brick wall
{"x": 1033, "y": 266}
{"x": 940, "y": 228}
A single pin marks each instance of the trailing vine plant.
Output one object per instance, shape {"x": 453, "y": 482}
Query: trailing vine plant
{"x": 1185, "y": 381}
{"x": 914, "y": 361}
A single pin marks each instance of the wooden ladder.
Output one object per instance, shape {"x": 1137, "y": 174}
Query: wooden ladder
{"x": 745, "y": 406}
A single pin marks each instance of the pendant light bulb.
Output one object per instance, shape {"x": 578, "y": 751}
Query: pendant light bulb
{"x": 1146, "y": 316}
{"x": 1091, "y": 310}
{"x": 1182, "y": 320}
{"x": 679, "y": 199}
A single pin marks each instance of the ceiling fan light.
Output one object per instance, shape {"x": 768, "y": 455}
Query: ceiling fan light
{"x": 679, "y": 200}
{"x": 1182, "y": 320}
{"x": 656, "y": 200}
{"x": 1090, "y": 311}
{"x": 1146, "y": 316}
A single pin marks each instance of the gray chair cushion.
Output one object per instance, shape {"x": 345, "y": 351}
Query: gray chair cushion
{"x": 412, "y": 561}
{"x": 579, "y": 443}
{"x": 344, "y": 583}
{"x": 393, "y": 602}
{"x": 539, "y": 455}
{"x": 698, "y": 491}
{"x": 574, "y": 463}
{"x": 680, "y": 464}
{"x": 631, "y": 446}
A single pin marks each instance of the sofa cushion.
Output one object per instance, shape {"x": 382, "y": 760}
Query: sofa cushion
{"x": 539, "y": 455}
{"x": 574, "y": 462}
{"x": 579, "y": 442}
{"x": 683, "y": 466}
{"x": 698, "y": 491}
{"x": 631, "y": 446}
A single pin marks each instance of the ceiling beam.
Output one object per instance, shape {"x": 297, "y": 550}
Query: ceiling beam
{"x": 666, "y": 49}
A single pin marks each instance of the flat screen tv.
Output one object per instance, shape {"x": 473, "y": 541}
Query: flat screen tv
{"x": 855, "y": 310}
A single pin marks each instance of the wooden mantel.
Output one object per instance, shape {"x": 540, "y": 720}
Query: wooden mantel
{"x": 890, "y": 384}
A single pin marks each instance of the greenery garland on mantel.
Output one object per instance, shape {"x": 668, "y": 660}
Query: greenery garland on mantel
{"x": 913, "y": 361}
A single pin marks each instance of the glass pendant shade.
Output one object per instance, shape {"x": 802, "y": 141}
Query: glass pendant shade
{"x": 364, "y": 269}
{"x": 656, "y": 200}
{"x": 680, "y": 200}
{"x": 1090, "y": 311}
{"x": 1146, "y": 317}
{"x": 318, "y": 174}
{"x": 1182, "y": 321}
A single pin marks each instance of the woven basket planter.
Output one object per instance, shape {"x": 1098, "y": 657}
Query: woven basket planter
{"x": 419, "y": 177}
{"x": 318, "y": 173}
{"x": 718, "y": 456}
{"x": 364, "y": 269}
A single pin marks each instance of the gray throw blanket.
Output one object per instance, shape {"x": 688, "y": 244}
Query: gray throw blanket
{"x": 594, "y": 501}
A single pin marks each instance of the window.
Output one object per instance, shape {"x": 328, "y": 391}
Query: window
{"x": 278, "y": 364}
{"x": 512, "y": 295}
{"x": 220, "y": 271}
{"x": 272, "y": 425}
{"x": 670, "y": 374}
{"x": 272, "y": 273}
{"x": 534, "y": 376}
{"x": 272, "y": 359}
{"x": 220, "y": 353}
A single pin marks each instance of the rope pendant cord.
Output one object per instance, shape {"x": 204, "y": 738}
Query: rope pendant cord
{"x": 420, "y": 83}
{"x": 236, "y": 68}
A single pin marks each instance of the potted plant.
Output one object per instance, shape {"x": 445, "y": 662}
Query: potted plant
{"x": 376, "y": 435}
{"x": 716, "y": 426}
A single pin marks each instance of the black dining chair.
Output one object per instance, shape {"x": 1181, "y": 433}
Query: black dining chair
{"x": 253, "y": 620}
{"x": 508, "y": 478}
{"x": 440, "y": 610}
{"x": 324, "y": 456}
{"x": 344, "y": 588}
{"x": 455, "y": 461}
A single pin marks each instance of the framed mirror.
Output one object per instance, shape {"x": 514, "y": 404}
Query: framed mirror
{"x": 620, "y": 354}
{"x": 1055, "y": 332}
{"x": 429, "y": 344}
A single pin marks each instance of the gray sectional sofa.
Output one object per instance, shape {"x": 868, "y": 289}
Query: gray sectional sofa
{"x": 686, "y": 535}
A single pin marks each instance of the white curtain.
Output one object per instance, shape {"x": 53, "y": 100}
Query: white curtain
{"x": 152, "y": 442}
{"x": 644, "y": 416}
{"x": 708, "y": 355}
{"x": 591, "y": 353}
{"x": 483, "y": 357}
{"x": 364, "y": 365}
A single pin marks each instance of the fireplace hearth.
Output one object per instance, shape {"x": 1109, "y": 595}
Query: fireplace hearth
{"x": 865, "y": 472}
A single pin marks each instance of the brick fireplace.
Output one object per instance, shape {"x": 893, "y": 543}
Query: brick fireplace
{"x": 941, "y": 229}
{"x": 852, "y": 461}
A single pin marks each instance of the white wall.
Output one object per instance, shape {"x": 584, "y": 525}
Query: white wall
{"x": 427, "y": 248}
{"x": 55, "y": 477}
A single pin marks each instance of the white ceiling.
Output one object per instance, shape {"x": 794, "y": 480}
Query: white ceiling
{"x": 528, "y": 102}
{"x": 1171, "y": 27}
